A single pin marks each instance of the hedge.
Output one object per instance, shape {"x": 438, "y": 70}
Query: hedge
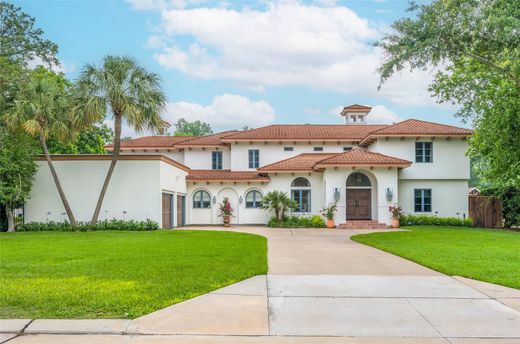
{"x": 314, "y": 221}
{"x": 408, "y": 220}
{"x": 105, "y": 225}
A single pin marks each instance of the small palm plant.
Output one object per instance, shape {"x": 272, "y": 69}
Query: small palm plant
{"x": 42, "y": 109}
{"x": 279, "y": 202}
{"x": 129, "y": 93}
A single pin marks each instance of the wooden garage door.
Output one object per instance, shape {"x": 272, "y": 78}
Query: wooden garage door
{"x": 359, "y": 204}
{"x": 167, "y": 211}
{"x": 181, "y": 210}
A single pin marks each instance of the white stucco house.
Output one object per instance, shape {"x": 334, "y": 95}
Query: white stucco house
{"x": 178, "y": 181}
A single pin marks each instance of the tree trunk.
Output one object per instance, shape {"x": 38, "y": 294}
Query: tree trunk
{"x": 64, "y": 200}
{"x": 10, "y": 217}
{"x": 115, "y": 156}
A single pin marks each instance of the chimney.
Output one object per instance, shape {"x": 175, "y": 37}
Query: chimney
{"x": 356, "y": 114}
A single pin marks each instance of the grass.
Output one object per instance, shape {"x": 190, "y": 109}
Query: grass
{"x": 119, "y": 274}
{"x": 486, "y": 255}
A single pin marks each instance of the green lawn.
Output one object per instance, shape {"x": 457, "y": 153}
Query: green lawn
{"x": 119, "y": 274}
{"x": 486, "y": 255}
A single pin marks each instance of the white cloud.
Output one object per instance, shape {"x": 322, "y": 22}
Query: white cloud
{"x": 380, "y": 114}
{"x": 287, "y": 44}
{"x": 227, "y": 111}
{"x": 62, "y": 67}
{"x": 310, "y": 110}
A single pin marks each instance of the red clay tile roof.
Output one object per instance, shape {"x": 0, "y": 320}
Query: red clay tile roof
{"x": 411, "y": 127}
{"x": 358, "y": 108}
{"x": 205, "y": 141}
{"x": 359, "y": 157}
{"x": 341, "y": 132}
{"x": 225, "y": 176}
{"x": 299, "y": 163}
{"x": 153, "y": 142}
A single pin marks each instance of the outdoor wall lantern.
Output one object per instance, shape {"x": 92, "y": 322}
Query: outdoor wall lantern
{"x": 389, "y": 194}
{"x": 240, "y": 200}
{"x": 337, "y": 194}
{"x": 214, "y": 199}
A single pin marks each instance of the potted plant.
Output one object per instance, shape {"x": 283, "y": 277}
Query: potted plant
{"x": 226, "y": 211}
{"x": 397, "y": 214}
{"x": 328, "y": 212}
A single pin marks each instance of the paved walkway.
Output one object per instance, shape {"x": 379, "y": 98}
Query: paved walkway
{"x": 321, "y": 288}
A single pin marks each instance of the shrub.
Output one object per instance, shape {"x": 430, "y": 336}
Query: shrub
{"x": 314, "y": 221}
{"x": 435, "y": 221}
{"x": 105, "y": 225}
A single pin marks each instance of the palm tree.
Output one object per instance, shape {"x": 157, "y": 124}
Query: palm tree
{"x": 279, "y": 202}
{"x": 42, "y": 109}
{"x": 129, "y": 93}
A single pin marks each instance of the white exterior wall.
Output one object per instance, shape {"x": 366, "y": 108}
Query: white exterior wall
{"x": 245, "y": 215}
{"x": 381, "y": 178}
{"x": 134, "y": 188}
{"x": 449, "y": 197}
{"x": 173, "y": 181}
{"x": 449, "y": 159}
{"x": 273, "y": 152}
{"x": 175, "y": 155}
{"x": 199, "y": 159}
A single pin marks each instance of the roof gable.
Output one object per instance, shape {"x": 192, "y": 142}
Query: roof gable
{"x": 359, "y": 157}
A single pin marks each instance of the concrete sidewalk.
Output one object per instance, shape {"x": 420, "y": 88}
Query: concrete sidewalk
{"x": 321, "y": 288}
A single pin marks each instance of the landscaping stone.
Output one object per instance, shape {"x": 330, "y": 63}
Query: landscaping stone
{"x": 102, "y": 326}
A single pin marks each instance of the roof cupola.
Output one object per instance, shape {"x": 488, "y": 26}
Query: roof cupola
{"x": 356, "y": 114}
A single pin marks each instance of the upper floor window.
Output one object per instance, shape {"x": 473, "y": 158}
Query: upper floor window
{"x": 254, "y": 199}
{"x": 346, "y": 149}
{"x": 216, "y": 160}
{"x": 318, "y": 149}
{"x": 201, "y": 200}
{"x": 288, "y": 149}
{"x": 301, "y": 194}
{"x": 423, "y": 151}
{"x": 423, "y": 200}
{"x": 254, "y": 158}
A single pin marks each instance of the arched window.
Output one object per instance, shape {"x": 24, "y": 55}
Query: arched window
{"x": 254, "y": 199}
{"x": 201, "y": 200}
{"x": 301, "y": 194}
{"x": 358, "y": 179}
{"x": 300, "y": 182}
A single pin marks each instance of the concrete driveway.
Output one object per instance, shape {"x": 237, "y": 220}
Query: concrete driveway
{"x": 321, "y": 288}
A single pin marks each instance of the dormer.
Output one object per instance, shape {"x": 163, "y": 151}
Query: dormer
{"x": 356, "y": 114}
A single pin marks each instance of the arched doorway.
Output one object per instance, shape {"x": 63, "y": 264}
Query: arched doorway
{"x": 233, "y": 199}
{"x": 359, "y": 197}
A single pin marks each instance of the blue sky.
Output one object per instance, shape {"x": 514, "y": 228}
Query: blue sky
{"x": 247, "y": 63}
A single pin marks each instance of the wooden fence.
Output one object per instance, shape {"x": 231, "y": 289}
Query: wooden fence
{"x": 485, "y": 211}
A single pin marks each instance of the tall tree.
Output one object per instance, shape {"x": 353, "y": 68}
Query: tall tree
{"x": 131, "y": 95}
{"x": 90, "y": 141}
{"x": 42, "y": 110}
{"x": 20, "y": 40}
{"x": 196, "y": 128}
{"x": 476, "y": 46}
{"x": 17, "y": 168}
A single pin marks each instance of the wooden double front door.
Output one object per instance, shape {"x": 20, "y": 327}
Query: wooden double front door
{"x": 168, "y": 209}
{"x": 359, "y": 204}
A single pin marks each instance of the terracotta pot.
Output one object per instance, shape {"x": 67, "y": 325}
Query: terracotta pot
{"x": 395, "y": 222}
{"x": 330, "y": 224}
{"x": 227, "y": 219}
